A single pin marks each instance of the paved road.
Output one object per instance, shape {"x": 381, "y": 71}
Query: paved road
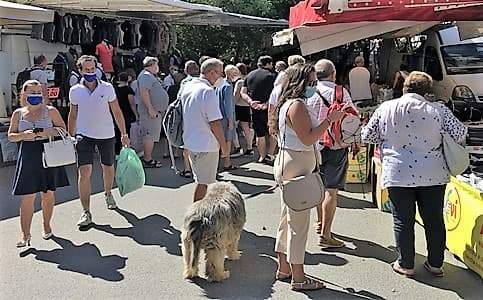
{"x": 134, "y": 253}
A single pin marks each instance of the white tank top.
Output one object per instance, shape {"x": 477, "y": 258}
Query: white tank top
{"x": 292, "y": 142}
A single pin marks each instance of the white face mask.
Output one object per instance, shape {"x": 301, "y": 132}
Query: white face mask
{"x": 218, "y": 83}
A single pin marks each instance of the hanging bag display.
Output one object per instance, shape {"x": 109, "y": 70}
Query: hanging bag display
{"x": 61, "y": 152}
{"x": 302, "y": 192}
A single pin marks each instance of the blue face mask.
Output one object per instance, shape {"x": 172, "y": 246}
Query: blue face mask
{"x": 34, "y": 99}
{"x": 90, "y": 77}
{"x": 309, "y": 92}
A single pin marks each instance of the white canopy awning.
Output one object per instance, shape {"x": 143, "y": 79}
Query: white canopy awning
{"x": 319, "y": 38}
{"x": 173, "y": 11}
{"x": 19, "y": 14}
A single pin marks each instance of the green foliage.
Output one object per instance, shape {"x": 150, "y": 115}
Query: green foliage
{"x": 233, "y": 43}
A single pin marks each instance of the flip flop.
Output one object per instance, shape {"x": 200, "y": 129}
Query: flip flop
{"x": 185, "y": 174}
{"x": 436, "y": 272}
{"x": 398, "y": 269}
{"x": 308, "y": 285}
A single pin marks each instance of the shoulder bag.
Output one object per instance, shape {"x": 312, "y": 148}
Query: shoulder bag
{"x": 61, "y": 152}
{"x": 302, "y": 192}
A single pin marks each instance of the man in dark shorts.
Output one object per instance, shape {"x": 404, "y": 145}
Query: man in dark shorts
{"x": 92, "y": 101}
{"x": 257, "y": 87}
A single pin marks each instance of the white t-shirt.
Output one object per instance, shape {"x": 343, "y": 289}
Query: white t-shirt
{"x": 200, "y": 107}
{"x": 273, "y": 100}
{"x": 94, "y": 118}
{"x": 360, "y": 86}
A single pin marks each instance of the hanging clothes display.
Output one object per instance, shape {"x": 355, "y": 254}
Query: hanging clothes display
{"x": 68, "y": 29}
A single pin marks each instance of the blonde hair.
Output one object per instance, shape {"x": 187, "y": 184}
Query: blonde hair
{"x": 23, "y": 94}
{"x": 231, "y": 70}
{"x": 417, "y": 82}
{"x": 295, "y": 59}
{"x": 359, "y": 60}
{"x": 85, "y": 58}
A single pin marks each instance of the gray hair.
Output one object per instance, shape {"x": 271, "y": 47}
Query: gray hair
{"x": 149, "y": 61}
{"x": 295, "y": 59}
{"x": 324, "y": 69}
{"x": 211, "y": 64}
{"x": 191, "y": 68}
{"x": 359, "y": 60}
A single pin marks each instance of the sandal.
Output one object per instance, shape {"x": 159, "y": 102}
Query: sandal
{"x": 308, "y": 285}
{"x": 409, "y": 273}
{"x": 230, "y": 168}
{"x": 283, "y": 276}
{"x": 318, "y": 227}
{"x": 186, "y": 174}
{"x": 437, "y": 272}
{"x": 152, "y": 164}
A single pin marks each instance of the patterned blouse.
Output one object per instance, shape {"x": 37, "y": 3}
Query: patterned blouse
{"x": 408, "y": 131}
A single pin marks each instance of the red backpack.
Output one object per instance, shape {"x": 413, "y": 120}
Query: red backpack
{"x": 333, "y": 137}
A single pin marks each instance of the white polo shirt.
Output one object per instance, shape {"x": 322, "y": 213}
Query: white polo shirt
{"x": 360, "y": 86}
{"x": 94, "y": 118}
{"x": 200, "y": 107}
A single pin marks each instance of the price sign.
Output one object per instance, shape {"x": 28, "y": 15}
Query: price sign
{"x": 53, "y": 92}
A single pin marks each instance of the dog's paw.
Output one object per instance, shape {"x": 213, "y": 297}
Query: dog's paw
{"x": 234, "y": 256}
{"x": 226, "y": 274}
{"x": 189, "y": 274}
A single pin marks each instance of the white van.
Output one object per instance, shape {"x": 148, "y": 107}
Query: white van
{"x": 456, "y": 65}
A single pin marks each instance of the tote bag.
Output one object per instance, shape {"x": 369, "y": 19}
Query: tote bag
{"x": 61, "y": 152}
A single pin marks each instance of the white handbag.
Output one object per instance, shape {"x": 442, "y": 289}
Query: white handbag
{"x": 302, "y": 192}
{"x": 456, "y": 156}
{"x": 61, "y": 152}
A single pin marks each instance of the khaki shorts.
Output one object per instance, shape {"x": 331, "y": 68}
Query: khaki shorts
{"x": 151, "y": 128}
{"x": 204, "y": 166}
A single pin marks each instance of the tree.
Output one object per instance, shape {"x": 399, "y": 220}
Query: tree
{"x": 233, "y": 43}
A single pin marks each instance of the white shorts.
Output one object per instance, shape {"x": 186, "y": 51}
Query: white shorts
{"x": 204, "y": 166}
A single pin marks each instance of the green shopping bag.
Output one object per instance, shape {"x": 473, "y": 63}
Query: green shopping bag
{"x": 129, "y": 172}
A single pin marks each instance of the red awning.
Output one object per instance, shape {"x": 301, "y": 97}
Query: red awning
{"x": 325, "y": 12}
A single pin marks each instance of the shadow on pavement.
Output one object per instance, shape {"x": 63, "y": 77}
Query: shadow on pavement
{"x": 253, "y": 276}
{"x": 351, "y": 203}
{"x": 248, "y": 189}
{"x": 85, "y": 259}
{"x": 153, "y": 230}
{"x": 456, "y": 279}
{"x": 246, "y": 172}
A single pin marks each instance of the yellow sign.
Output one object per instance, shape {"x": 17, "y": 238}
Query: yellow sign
{"x": 452, "y": 208}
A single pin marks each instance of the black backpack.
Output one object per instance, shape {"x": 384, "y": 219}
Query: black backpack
{"x": 22, "y": 77}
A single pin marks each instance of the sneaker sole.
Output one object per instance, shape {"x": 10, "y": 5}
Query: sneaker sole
{"x": 326, "y": 246}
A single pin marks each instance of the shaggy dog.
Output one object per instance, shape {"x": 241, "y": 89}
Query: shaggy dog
{"x": 213, "y": 224}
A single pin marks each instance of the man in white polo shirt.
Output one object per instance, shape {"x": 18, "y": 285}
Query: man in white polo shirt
{"x": 91, "y": 103}
{"x": 359, "y": 82}
{"x": 202, "y": 129}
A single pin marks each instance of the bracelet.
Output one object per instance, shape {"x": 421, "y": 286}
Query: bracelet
{"x": 125, "y": 135}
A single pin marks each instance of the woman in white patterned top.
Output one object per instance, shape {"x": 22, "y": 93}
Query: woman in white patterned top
{"x": 408, "y": 131}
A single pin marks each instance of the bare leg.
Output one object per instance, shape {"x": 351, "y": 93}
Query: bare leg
{"x": 328, "y": 212}
{"x": 148, "y": 149}
{"x": 26, "y": 214}
{"x": 249, "y": 134}
{"x": 298, "y": 273}
{"x": 48, "y": 202}
{"x": 200, "y": 192}
{"x": 228, "y": 158}
{"x": 85, "y": 186}
{"x": 108, "y": 176}
{"x": 262, "y": 147}
{"x": 283, "y": 265}
{"x": 186, "y": 159}
{"x": 273, "y": 145}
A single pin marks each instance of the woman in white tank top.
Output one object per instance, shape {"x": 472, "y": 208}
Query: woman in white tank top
{"x": 297, "y": 129}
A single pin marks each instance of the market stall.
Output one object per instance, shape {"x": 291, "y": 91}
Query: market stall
{"x": 425, "y": 36}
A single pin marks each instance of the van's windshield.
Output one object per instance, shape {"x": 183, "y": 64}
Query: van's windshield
{"x": 463, "y": 58}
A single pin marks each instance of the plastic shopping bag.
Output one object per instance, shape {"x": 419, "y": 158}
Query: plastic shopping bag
{"x": 136, "y": 137}
{"x": 129, "y": 172}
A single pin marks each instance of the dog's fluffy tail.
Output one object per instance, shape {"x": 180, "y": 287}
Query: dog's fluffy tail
{"x": 195, "y": 234}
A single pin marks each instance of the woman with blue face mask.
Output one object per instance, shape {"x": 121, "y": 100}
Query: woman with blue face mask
{"x": 31, "y": 126}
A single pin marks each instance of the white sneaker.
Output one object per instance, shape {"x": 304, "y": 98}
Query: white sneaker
{"x": 110, "y": 202}
{"x": 85, "y": 219}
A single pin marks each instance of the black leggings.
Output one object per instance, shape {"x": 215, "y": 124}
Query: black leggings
{"x": 430, "y": 202}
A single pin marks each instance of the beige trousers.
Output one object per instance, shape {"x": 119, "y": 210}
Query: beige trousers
{"x": 294, "y": 226}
